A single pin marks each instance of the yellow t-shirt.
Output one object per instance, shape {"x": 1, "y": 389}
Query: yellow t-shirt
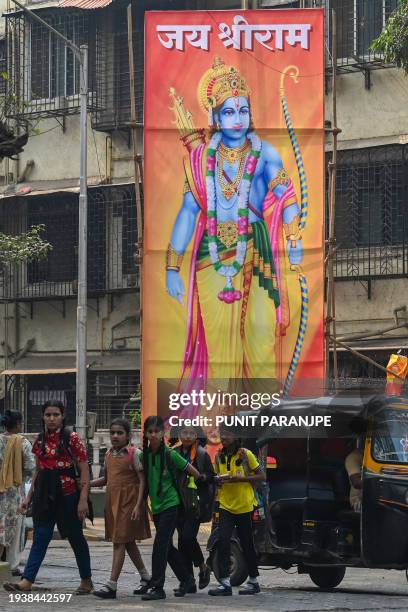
{"x": 237, "y": 497}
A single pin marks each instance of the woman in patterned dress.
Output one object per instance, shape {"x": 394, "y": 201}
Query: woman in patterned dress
{"x": 12, "y": 486}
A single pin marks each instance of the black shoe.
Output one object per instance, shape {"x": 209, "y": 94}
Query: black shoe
{"x": 250, "y": 589}
{"x": 153, "y": 594}
{"x": 204, "y": 578}
{"x": 142, "y": 589}
{"x": 189, "y": 586}
{"x": 221, "y": 591}
{"x": 105, "y": 593}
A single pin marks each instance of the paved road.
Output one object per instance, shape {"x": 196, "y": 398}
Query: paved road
{"x": 361, "y": 590}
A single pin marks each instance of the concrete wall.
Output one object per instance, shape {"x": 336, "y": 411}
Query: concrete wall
{"x": 55, "y": 153}
{"x": 356, "y": 313}
{"x": 54, "y": 333}
{"x": 370, "y": 118}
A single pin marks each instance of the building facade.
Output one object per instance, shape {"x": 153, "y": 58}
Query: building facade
{"x": 41, "y": 92}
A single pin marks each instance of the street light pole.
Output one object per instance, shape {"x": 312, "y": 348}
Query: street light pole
{"x": 81, "y": 367}
{"x": 81, "y": 53}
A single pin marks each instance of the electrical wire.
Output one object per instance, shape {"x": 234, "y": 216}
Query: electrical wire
{"x": 265, "y": 64}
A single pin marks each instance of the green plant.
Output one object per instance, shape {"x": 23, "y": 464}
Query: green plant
{"x": 135, "y": 414}
{"x": 23, "y": 248}
{"x": 393, "y": 40}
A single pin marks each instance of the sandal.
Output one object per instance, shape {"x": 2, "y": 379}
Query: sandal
{"x": 84, "y": 590}
{"x": 14, "y": 587}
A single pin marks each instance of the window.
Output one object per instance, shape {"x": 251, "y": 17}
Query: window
{"x": 54, "y": 67}
{"x": 112, "y": 240}
{"x": 372, "y": 213}
{"x": 371, "y": 16}
{"x": 109, "y": 393}
{"x": 345, "y": 26}
{"x": 43, "y": 74}
{"x": 390, "y": 443}
{"x": 61, "y": 222}
{"x": 112, "y": 62}
{"x": 371, "y": 197}
{"x": 358, "y": 23}
{"x": 112, "y": 217}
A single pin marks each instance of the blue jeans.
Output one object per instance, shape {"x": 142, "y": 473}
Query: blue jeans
{"x": 43, "y": 536}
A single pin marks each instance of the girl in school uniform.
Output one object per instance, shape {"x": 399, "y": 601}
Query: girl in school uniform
{"x": 161, "y": 465}
{"x": 126, "y": 517}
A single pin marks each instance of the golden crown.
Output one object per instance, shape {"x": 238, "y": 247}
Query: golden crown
{"x": 218, "y": 84}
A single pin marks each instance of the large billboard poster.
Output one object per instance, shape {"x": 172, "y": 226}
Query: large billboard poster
{"x": 233, "y": 211}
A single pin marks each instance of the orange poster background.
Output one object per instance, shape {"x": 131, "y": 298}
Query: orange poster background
{"x": 164, "y": 319}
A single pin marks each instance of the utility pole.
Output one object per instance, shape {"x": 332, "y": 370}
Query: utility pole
{"x": 81, "y": 53}
{"x": 331, "y": 293}
{"x": 82, "y": 306}
{"x": 138, "y": 173}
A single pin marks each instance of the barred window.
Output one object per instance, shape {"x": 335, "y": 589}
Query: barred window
{"x": 60, "y": 218}
{"x": 371, "y": 197}
{"x": 372, "y": 212}
{"x": 54, "y": 67}
{"x": 109, "y": 393}
{"x": 112, "y": 62}
{"x": 358, "y": 23}
{"x": 112, "y": 236}
{"x": 44, "y": 74}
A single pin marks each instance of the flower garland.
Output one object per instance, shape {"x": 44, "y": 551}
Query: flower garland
{"x": 229, "y": 294}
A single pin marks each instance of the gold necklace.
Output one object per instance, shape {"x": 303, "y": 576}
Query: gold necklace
{"x": 228, "y": 186}
{"x": 231, "y": 155}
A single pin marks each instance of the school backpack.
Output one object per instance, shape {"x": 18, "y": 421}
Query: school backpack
{"x": 206, "y": 500}
{"x": 186, "y": 487}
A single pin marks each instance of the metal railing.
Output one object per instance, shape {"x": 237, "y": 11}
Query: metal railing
{"x": 112, "y": 71}
{"x": 372, "y": 213}
{"x": 109, "y": 394}
{"x": 112, "y": 103}
{"x": 43, "y": 74}
{"x": 359, "y": 22}
{"x": 111, "y": 244}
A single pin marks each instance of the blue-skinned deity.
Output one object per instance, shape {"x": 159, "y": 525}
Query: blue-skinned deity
{"x": 240, "y": 212}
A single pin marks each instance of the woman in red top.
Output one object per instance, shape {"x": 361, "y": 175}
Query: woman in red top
{"x": 56, "y": 498}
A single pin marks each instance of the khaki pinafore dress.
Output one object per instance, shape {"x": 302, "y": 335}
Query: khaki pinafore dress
{"x": 121, "y": 497}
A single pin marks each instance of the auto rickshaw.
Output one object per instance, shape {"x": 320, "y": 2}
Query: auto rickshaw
{"x": 304, "y": 518}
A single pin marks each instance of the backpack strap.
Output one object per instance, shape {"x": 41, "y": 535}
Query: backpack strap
{"x": 167, "y": 459}
{"x": 217, "y": 462}
{"x": 245, "y": 461}
{"x": 200, "y": 458}
{"x": 130, "y": 455}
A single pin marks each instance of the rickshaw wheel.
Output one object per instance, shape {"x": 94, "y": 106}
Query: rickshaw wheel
{"x": 238, "y": 566}
{"x": 326, "y": 577}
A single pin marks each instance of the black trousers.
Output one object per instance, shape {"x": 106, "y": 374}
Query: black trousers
{"x": 243, "y": 524}
{"x": 163, "y": 549}
{"x": 187, "y": 528}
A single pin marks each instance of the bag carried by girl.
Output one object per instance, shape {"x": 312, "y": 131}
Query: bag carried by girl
{"x": 186, "y": 487}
